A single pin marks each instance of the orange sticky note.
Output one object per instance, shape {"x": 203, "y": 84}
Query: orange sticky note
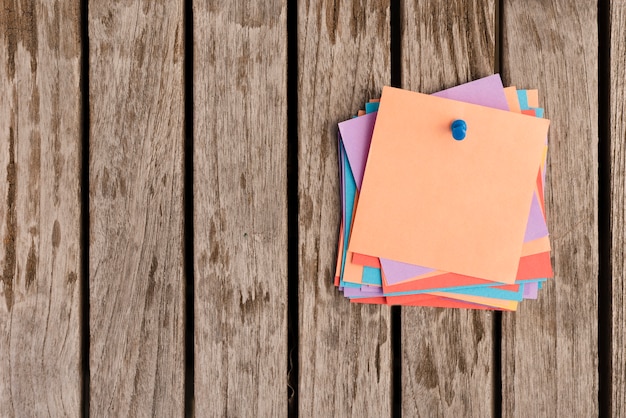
{"x": 540, "y": 245}
{"x": 533, "y": 98}
{"x": 511, "y": 98}
{"x": 456, "y": 206}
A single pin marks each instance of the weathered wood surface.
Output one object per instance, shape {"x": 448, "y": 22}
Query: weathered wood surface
{"x": 549, "y": 347}
{"x": 345, "y": 349}
{"x": 40, "y": 251}
{"x": 618, "y": 203}
{"x": 136, "y": 286}
{"x": 240, "y": 208}
{"x": 136, "y": 292}
{"x": 447, "y": 354}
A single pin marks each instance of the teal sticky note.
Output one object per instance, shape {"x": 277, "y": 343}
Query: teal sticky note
{"x": 372, "y": 276}
{"x": 371, "y": 107}
{"x": 522, "y": 97}
{"x": 349, "y": 189}
{"x": 492, "y": 292}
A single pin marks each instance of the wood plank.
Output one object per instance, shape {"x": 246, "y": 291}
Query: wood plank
{"x": 447, "y": 364}
{"x": 618, "y": 204}
{"x": 40, "y": 251}
{"x": 549, "y": 347}
{"x": 136, "y": 284}
{"x": 240, "y": 207}
{"x": 344, "y": 349}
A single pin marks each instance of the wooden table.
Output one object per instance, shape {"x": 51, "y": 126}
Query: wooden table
{"x": 170, "y": 210}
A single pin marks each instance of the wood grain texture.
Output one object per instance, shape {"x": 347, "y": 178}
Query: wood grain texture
{"x": 345, "y": 349}
{"x": 618, "y": 203}
{"x": 447, "y": 359}
{"x": 549, "y": 347}
{"x": 40, "y": 253}
{"x": 240, "y": 207}
{"x": 136, "y": 208}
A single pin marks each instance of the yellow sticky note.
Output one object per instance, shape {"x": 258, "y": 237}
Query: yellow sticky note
{"x": 456, "y": 206}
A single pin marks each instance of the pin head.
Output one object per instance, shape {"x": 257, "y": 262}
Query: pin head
{"x": 459, "y": 129}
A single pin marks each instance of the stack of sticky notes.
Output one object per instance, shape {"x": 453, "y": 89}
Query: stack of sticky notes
{"x": 442, "y": 198}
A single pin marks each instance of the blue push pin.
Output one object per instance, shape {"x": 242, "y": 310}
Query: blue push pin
{"x": 459, "y": 129}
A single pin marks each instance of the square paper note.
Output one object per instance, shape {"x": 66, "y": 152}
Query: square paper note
{"x": 455, "y": 206}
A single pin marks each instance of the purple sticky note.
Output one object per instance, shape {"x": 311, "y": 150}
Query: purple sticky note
{"x": 352, "y": 292}
{"x": 530, "y": 290}
{"x": 341, "y": 179}
{"x": 371, "y": 289}
{"x": 356, "y": 135}
{"x": 536, "y": 227}
{"x": 487, "y": 91}
{"x": 396, "y": 271}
